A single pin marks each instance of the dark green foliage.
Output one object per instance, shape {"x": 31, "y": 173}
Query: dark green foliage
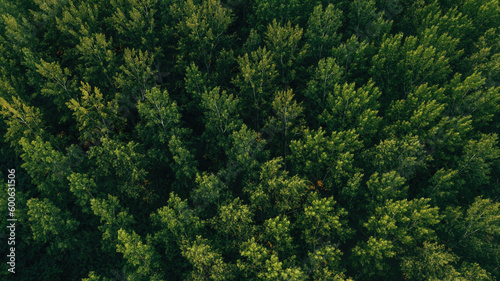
{"x": 251, "y": 140}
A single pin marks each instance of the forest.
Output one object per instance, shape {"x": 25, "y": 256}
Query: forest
{"x": 250, "y": 140}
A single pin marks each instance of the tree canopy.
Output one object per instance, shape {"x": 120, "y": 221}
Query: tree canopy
{"x": 252, "y": 140}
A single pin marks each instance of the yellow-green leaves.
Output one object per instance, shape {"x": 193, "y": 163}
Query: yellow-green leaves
{"x": 324, "y": 264}
{"x": 287, "y": 111}
{"x": 207, "y": 263}
{"x": 480, "y": 231}
{"x": 405, "y": 222}
{"x": 366, "y": 22}
{"x": 256, "y": 82}
{"x": 141, "y": 256}
{"x": 46, "y": 166}
{"x": 385, "y": 186}
{"x": 221, "y": 119}
{"x": 322, "y": 223}
{"x": 137, "y": 73}
{"x": 329, "y": 159}
{"x": 49, "y": 224}
{"x": 160, "y": 115}
{"x": 400, "y": 66}
{"x": 234, "y": 221}
{"x": 277, "y": 193}
{"x": 474, "y": 232}
{"x": 431, "y": 262}
{"x": 394, "y": 228}
{"x": 476, "y": 162}
{"x": 17, "y": 31}
{"x": 405, "y": 155}
{"x": 179, "y": 219}
{"x": 22, "y": 121}
{"x": 96, "y": 117}
{"x": 471, "y": 97}
{"x": 326, "y": 77}
{"x": 203, "y": 31}
{"x": 371, "y": 256}
{"x": 283, "y": 43}
{"x": 245, "y": 153}
{"x": 98, "y": 58}
{"x": 321, "y": 33}
{"x": 260, "y": 264}
{"x": 113, "y": 217}
{"x": 58, "y": 78}
{"x": 220, "y": 111}
{"x": 122, "y": 165}
{"x": 210, "y": 192}
{"x": 347, "y": 108}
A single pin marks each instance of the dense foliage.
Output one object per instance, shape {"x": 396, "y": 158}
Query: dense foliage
{"x": 252, "y": 140}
